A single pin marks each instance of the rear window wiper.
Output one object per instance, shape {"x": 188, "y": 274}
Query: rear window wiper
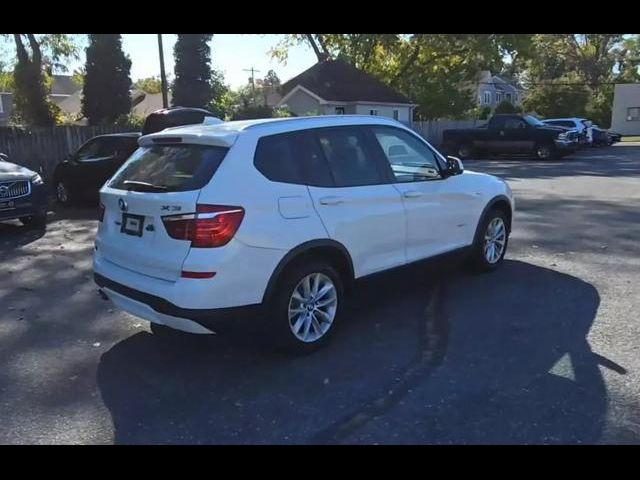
{"x": 144, "y": 186}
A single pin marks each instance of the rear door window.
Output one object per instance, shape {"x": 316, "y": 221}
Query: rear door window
{"x": 293, "y": 158}
{"x": 351, "y": 159}
{"x": 172, "y": 168}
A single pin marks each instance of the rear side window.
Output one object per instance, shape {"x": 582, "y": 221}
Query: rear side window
{"x": 97, "y": 148}
{"x": 174, "y": 168}
{"x": 350, "y": 159}
{"x": 293, "y": 158}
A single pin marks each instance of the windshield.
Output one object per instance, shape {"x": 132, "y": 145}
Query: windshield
{"x": 533, "y": 121}
{"x": 170, "y": 168}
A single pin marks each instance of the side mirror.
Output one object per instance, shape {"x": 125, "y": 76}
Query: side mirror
{"x": 454, "y": 166}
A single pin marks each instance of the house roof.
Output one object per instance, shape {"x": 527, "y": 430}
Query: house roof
{"x": 337, "y": 80}
{"x": 64, "y": 85}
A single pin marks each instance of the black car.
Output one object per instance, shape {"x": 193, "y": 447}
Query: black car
{"x": 23, "y": 194}
{"x": 509, "y": 134}
{"x": 176, "y": 117}
{"x": 84, "y": 172}
{"x": 601, "y": 137}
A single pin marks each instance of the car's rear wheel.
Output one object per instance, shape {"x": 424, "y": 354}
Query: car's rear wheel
{"x": 306, "y": 305}
{"x": 63, "y": 193}
{"x": 546, "y": 151}
{"x": 491, "y": 244}
{"x": 464, "y": 151}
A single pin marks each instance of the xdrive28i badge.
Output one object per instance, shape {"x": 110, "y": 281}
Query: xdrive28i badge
{"x": 123, "y": 205}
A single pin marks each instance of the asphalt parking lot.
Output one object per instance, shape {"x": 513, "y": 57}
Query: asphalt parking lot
{"x": 546, "y": 350}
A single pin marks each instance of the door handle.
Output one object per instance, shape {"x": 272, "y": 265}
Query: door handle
{"x": 411, "y": 194}
{"x": 331, "y": 200}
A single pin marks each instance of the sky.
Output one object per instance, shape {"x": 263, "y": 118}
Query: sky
{"x": 231, "y": 53}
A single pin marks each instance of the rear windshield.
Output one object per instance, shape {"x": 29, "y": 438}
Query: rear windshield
{"x": 172, "y": 168}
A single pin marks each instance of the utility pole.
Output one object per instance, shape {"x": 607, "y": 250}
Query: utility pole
{"x": 252, "y": 79}
{"x": 163, "y": 76}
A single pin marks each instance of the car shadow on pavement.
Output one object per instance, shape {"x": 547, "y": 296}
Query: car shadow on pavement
{"x": 616, "y": 161}
{"x": 13, "y": 235}
{"x": 428, "y": 355}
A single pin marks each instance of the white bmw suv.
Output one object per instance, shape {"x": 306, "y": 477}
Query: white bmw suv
{"x": 278, "y": 217}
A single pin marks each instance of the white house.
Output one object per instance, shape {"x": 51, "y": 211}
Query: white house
{"x": 334, "y": 87}
{"x": 625, "y": 114}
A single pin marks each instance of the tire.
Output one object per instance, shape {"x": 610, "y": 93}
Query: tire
{"x": 480, "y": 259}
{"x": 546, "y": 151}
{"x": 464, "y": 151}
{"x": 63, "y": 193}
{"x": 34, "y": 221}
{"x": 284, "y": 322}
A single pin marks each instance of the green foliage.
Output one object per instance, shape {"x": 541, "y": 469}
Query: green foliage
{"x": 222, "y": 101}
{"x": 149, "y": 84}
{"x": 250, "y": 112}
{"x": 7, "y": 83}
{"x": 192, "y": 85}
{"x": 505, "y": 107}
{"x": 431, "y": 69}
{"x": 35, "y": 56}
{"x": 281, "y": 112}
{"x": 485, "y": 113}
{"x": 572, "y": 74}
{"x": 130, "y": 121}
{"x": 105, "y": 94}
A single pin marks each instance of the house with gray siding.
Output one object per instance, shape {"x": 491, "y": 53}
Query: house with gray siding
{"x": 490, "y": 90}
{"x": 335, "y": 87}
{"x": 625, "y": 114}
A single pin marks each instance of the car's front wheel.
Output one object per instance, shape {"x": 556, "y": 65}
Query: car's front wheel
{"x": 63, "y": 193}
{"x": 306, "y": 306}
{"x": 491, "y": 244}
{"x": 34, "y": 221}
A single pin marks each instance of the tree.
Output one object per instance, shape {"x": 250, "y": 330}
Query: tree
{"x": 431, "y": 69}
{"x": 192, "y": 84}
{"x": 505, "y": 107}
{"x": 35, "y": 60}
{"x": 222, "y": 101}
{"x": 267, "y": 85}
{"x": 105, "y": 94}
{"x": 573, "y": 74}
{"x": 149, "y": 84}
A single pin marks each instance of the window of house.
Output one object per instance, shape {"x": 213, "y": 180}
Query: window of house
{"x": 487, "y": 98}
{"x": 395, "y": 115}
{"x": 339, "y": 110}
{"x": 633, "y": 114}
{"x": 507, "y": 96}
{"x": 373, "y": 112}
{"x": 498, "y": 97}
{"x": 1, "y": 106}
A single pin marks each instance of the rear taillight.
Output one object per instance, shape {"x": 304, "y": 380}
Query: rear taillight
{"x": 101, "y": 213}
{"x": 211, "y": 225}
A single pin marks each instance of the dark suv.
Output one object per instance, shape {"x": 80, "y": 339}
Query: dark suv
{"x": 23, "y": 195}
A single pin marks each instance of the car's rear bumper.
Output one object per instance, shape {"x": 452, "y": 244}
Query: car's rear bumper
{"x": 161, "y": 311}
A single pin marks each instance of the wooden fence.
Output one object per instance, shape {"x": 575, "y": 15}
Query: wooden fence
{"x": 41, "y": 149}
{"x": 432, "y": 130}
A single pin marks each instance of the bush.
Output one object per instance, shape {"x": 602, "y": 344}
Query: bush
{"x": 250, "y": 112}
{"x": 130, "y": 121}
{"x": 484, "y": 112}
{"x": 505, "y": 107}
{"x": 281, "y": 112}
